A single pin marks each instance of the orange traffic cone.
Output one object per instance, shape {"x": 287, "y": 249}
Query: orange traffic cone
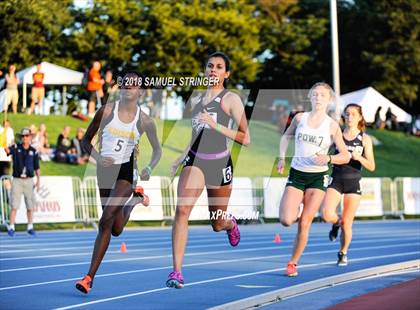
{"x": 123, "y": 248}
{"x": 277, "y": 238}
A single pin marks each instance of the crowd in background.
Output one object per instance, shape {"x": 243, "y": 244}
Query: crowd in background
{"x": 67, "y": 149}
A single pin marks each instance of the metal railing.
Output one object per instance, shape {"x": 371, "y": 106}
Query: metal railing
{"x": 87, "y": 200}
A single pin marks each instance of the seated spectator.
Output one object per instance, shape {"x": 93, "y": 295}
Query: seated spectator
{"x": 63, "y": 152}
{"x": 82, "y": 156}
{"x": 40, "y": 142}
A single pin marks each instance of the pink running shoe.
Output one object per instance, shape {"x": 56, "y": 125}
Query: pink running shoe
{"x": 234, "y": 234}
{"x": 175, "y": 279}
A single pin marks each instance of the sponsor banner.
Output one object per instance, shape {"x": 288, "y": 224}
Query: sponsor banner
{"x": 273, "y": 191}
{"x": 154, "y": 212}
{"x": 411, "y": 192}
{"x": 54, "y": 202}
{"x": 370, "y": 204}
{"x": 371, "y": 200}
{"x": 241, "y": 202}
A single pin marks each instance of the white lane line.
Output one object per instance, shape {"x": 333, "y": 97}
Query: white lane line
{"x": 196, "y": 264}
{"x": 169, "y": 248}
{"x": 220, "y": 279}
{"x": 136, "y": 244}
{"x": 202, "y": 237}
{"x": 35, "y": 246}
{"x": 272, "y": 247}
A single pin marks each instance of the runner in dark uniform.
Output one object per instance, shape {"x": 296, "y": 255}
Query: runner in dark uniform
{"x": 207, "y": 163}
{"x": 345, "y": 179}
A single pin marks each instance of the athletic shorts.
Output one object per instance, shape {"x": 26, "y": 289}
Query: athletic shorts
{"x": 345, "y": 185}
{"x": 107, "y": 176}
{"x": 217, "y": 172}
{"x": 38, "y": 94}
{"x": 23, "y": 187}
{"x": 304, "y": 180}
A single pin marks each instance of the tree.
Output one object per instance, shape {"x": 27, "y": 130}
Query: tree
{"x": 287, "y": 37}
{"x": 33, "y": 30}
{"x": 161, "y": 38}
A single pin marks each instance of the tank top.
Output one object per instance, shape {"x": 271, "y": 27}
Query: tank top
{"x": 118, "y": 139}
{"x": 205, "y": 139}
{"x": 309, "y": 142}
{"x": 12, "y": 84}
{"x": 353, "y": 168}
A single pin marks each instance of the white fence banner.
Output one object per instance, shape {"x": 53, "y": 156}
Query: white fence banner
{"x": 371, "y": 200}
{"x": 241, "y": 203}
{"x": 411, "y": 190}
{"x": 273, "y": 191}
{"x": 154, "y": 212}
{"x": 54, "y": 202}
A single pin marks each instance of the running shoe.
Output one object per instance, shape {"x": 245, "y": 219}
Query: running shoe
{"x": 291, "y": 269}
{"x": 31, "y": 232}
{"x": 342, "y": 259}
{"x": 334, "y": 231}
{"x": 234, "y": 234}
{"x": 11, "y": 232}
{"x": 139, "y": 192}
{"x": 175, "y": 279}
{"x": 85, "y": 284}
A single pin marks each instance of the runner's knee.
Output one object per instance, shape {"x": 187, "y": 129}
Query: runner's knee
{"x": 286, "y": 221}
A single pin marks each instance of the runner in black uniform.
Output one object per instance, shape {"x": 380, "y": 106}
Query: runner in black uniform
{"x": 345, "y": 179}
{"x": 206, "y": 161}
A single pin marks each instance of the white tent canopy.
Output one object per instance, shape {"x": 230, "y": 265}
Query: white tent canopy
{"x": 370, "y": 99}
{"x": 53, "y": 75}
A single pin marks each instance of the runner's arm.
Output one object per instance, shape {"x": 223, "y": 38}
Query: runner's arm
{"x": 343, "y": 156}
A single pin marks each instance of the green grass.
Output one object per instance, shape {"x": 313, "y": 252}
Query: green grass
{"x": 397, "y": 156}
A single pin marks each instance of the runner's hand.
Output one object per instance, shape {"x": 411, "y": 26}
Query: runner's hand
{"x": 145, "y": 174}
{"x": 281, "y": 165}
{"x": 106, "y": 161}
{"x": 321, "y": 160}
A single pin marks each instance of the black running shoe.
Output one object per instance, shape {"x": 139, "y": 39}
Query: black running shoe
{"x": 342, "y": 259}
{"x": 334, "y": 232}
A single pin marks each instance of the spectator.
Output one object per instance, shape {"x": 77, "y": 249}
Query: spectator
{"x": 38, "y": 91}
{"x": 63, "y": 153}
{"x": 12, "y": 94}
{"x": 298, "y": 109}
{"x": 94, "y": 87}
{"x": 379, "y": 124}
{"x": 110, "y": 87}
{"x": 25, "y": 166}
{"x": 416, "y": 126}
{"x": 391, "y": 120}
{"x": 44, "y": 149}
{"x": 81, "y": 155}
{"x": 7, "y": 139}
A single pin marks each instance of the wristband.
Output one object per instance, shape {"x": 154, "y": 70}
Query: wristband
{"x": 149, "y": 169}
{"x": 218, "y": 127}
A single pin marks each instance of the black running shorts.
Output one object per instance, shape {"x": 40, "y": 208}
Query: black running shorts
{"x": 217, "y": 172}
